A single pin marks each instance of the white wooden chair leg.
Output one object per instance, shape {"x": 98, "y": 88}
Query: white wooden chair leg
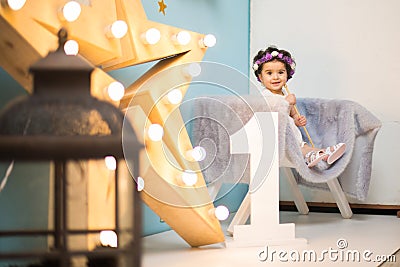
{"x": 340, "y": 198}
{"x": 241, "y": 215}
{"x": 299, "y": 201}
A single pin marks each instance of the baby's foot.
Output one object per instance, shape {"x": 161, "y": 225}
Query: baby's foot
{"x": 313, "y": 157}
{"x": 335, "y": 152}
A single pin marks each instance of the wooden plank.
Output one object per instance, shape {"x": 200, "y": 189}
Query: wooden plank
{"x": 12, "y": 59}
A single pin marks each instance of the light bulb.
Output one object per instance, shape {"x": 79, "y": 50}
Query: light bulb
{"x": 108, "y": 238}
{"x": 155, "y": 132}
{"x": 117, "y": 30}
{"x": 140, "y": 184}
{"x": 221, "y": 212}
{"x": 198, "y": 153}
{"x": 116, "y": 91}
{"x": 175, "y": 96}
{"x": 208, "y": 41}
{"x": 189, "y": 177}
{"x": 71, "y": 11}
{"x": 152, "y": 36}
{"x": 111, "y": 163}
{"x": 14, "y": 4}
{"x": 71, "y": 47}
{"x": 192, "y": 70}
{"x": 182, "y": 38}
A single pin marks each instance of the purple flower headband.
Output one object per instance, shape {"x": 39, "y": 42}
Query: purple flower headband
{"x": 275, "y": 54}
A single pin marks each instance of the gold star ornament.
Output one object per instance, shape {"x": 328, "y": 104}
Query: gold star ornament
{"x": 162, "y": 6}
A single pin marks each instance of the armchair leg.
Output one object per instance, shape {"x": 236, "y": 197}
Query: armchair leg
{"x": 334, "y": 187}
{"x": 340, "y": 198}
{"x": 242, "y": 215}
{"x": 299, "y": 201}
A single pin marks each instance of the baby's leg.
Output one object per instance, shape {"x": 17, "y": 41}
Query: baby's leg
{"x": 335, "y": 152}
{"x": 306, "y": 148}
{"x": 332, "y": 153}
{"x": 313, "y": 155}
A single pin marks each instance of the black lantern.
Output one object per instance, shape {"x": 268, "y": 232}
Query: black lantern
{"x": 61, "y": 122}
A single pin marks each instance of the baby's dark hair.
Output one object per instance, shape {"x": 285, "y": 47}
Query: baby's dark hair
{"x": 273, "y": 53}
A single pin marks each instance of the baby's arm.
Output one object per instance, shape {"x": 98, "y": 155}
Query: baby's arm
{"x": 299, "y": 120}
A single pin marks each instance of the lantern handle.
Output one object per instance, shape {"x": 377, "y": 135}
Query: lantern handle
{"x": 62, "y": 37}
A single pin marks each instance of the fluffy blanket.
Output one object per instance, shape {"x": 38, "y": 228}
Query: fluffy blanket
{"x": 329, "y": 122}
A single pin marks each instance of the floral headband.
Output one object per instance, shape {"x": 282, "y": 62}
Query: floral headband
{"x": 275, "y": 54}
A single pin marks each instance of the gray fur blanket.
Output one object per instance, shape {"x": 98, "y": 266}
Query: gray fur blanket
{"x": 329, "y": 122}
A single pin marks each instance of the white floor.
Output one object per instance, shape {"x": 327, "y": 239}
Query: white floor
{"x": 370, "y": 237}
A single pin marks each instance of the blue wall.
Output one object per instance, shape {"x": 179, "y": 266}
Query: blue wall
{"x": 228, "y": 20}
{"x": 24, "y": 205}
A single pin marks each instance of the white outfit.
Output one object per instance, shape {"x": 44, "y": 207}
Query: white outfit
{"x": 273, "y": 100}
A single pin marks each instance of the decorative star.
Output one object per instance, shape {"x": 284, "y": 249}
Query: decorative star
{"x": 198, "y": 228}
{"x": 162, "y": 6}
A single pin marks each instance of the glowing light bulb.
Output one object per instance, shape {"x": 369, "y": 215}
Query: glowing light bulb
{"x": 198, "y": 153}
{"x": 189, "y": 177}
{"x": 111, "y": 163}
{"x": 152, "y": 36}
{"x": 108, "y": 238}
{"x": 192, "y": 70}
{"x": 71, "y": 47}
{"x": 175, "y": 96}
{"x": 182, "y": 38}
{"x": 117, "y": 30}
{"x": 209, "y": 41}
{"x": 14, "y": 4}
{"x": 221, "y": 212}
{"x": 140, "y": 184}
{"x": 71, "y": 11}
{"x": 116, "y": 91}
{"x": 155, "y": 132}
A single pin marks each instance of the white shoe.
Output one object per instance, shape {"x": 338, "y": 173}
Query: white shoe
{"x": 313, "y": 157}
{"x": 335, "y": 152}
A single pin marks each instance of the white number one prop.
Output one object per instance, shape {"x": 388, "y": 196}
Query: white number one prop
{"x": 262, "y": 201}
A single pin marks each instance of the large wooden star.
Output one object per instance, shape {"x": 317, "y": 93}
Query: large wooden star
{"x": 21, "y": 46}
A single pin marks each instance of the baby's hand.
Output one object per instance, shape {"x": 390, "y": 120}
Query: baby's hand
{"x": 300, "y": 120}
{"x": 291, "y": 98}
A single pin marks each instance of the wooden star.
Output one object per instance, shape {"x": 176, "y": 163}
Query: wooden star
{"x": 21, "y": 46}
{"x": 162, "y": 6}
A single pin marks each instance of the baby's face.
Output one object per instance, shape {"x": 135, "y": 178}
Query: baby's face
{"x": 273, "y": 76}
